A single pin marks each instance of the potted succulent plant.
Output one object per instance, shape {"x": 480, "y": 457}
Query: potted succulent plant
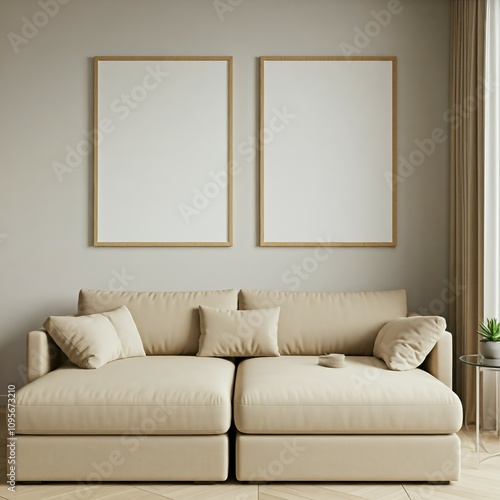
{"x": 490, "y": 343}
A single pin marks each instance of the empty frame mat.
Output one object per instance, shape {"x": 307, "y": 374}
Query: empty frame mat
{"x": 162, "y": 158}
{"x": 328, "y": 149}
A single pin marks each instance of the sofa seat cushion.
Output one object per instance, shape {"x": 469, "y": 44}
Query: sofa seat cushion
{"x": 163, "y": 395}
{"x": 294, "y": 395}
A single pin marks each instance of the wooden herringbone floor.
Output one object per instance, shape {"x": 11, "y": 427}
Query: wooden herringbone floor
{"x": 475, "y": 485}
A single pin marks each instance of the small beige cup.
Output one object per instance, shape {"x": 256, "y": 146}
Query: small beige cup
{"x": 333, "y": 360}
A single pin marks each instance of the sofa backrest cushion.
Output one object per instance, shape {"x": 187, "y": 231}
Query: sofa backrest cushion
{"x": 314, "y": 323}
{"x": 168, "y": 322}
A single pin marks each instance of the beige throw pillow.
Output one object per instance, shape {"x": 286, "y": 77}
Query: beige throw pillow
{"x": 404, "y": 343}
{"x": 127, "y": 331}
{"x": 94, "y": 340}
{"x": 239, "y": 333}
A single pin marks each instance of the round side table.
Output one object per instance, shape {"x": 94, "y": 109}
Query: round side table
{"x": 483, "y": 364}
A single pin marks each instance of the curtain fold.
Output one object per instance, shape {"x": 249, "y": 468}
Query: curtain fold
{"x": 492, "y": 192}
{"x": 468, "y": 25}
{"x": 492, "y": 163}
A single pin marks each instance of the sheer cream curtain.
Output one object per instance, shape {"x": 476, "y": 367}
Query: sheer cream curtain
{"x": 492, "y": 184}
{"x": 468, "y": 24}
{"x": 492, "y": 164}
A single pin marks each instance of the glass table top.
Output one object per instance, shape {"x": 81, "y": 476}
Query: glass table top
{"x": 479, "y": 360}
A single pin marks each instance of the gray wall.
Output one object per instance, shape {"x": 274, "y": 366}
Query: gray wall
{"x": 46, "y": 102}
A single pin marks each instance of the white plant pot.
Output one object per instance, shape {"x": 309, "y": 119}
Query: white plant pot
{"x": 490, "y": 350}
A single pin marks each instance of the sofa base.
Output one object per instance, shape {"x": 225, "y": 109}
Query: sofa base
{"x": 96, "y": 459}
{"x": 268, "y": 458}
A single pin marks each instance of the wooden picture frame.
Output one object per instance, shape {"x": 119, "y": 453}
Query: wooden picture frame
{"x": 163, "y": 151}
{"x": 328, "y": 151}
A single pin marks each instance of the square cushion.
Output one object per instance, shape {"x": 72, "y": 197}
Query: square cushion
{"x": 127, "y": 332}
{"x": 239, "y": 333}
{"x": 294, "y": 395}
{"x": 94, "y": 340}
{"x": 405, "y": 342}
{"x": 149, "y": 395}
{"x": 88, "y": 341}
{"x": 168, "y": 322}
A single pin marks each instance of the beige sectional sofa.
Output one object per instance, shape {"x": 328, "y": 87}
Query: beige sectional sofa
{"x": 167, "y": 416}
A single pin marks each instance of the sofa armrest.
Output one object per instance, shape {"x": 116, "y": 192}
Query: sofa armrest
{"x": 439, "y": 361}
{"x": 42, "y": 355}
